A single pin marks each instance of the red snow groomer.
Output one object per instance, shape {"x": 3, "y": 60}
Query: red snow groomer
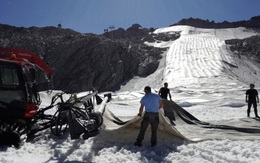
{"x": 19, "y": 102}
{"x": 18, "y": 88}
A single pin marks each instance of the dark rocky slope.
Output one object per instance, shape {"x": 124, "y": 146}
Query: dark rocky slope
{"x": 254, "y": 22}
{"x": 84, "y": 61}
{"x": 248, "y": 47}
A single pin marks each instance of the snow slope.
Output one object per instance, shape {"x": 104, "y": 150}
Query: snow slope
{"x": 204, "y": 77}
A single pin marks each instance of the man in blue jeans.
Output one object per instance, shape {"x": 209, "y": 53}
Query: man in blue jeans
{"x": 152, "y": 103}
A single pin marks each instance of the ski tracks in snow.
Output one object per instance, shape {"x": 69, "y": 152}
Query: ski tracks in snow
{"x": 200, "y": 66}
{"x": 192, "y": 58}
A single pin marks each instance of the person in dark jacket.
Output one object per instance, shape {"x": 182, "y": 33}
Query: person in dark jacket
{"x": 252, "y": 99}
{"x": 165, "y": 91}
{"x": 152, "y": 103}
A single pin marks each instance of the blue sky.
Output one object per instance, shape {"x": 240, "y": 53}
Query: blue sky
{"x": 93, "y": 16}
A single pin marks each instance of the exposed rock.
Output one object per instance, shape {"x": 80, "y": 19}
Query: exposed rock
{"x": 137, "y": 33}
{"x": 249, "y": 47}
{"x": 84, "y": 61}
{"x": 254, "y": 22}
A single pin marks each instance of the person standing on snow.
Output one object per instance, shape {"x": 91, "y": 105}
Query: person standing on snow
{"x": 164, "y": 92}
{"x": 252, "y": 98}
{"x": 152, "y": 103}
